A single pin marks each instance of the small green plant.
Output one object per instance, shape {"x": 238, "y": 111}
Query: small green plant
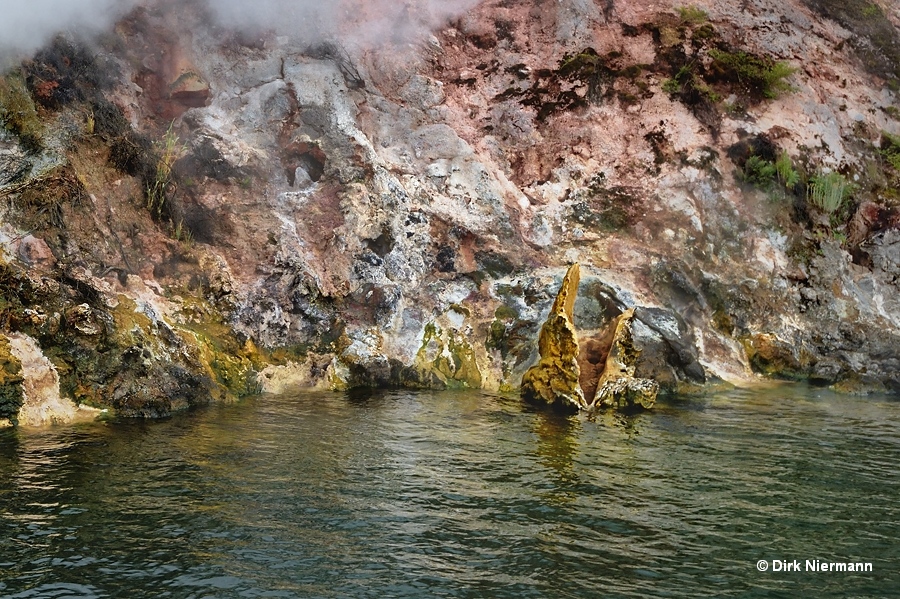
{"x": 671, "y": 86}
{"x": 158, "y": 187}
{"x": 183, "y": 234}
{"x": 871, "y": 11}
{"x": 687, "y": 81}
{"x": 828, "y": 191}
{"x": 787, "y": 175}
{"x": 706, "y": 90}
{"x": 759, "y": 172}
{"x": 759, "y": 73}
{"x": 890, "y": 149}
{"x": 692, "y": 14}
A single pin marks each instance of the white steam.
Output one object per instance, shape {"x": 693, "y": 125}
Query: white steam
{"x": 364, "y": 22}
{"x": 27, "y": 26}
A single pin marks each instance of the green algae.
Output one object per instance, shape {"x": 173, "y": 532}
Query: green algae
{"x": 448, "y": 358}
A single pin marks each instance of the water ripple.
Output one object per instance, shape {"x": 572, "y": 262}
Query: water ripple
{"x": 456, "y": 495}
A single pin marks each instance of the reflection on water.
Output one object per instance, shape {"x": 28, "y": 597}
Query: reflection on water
{"x": 456, "y": 495}
{"x": 557, "y": 447}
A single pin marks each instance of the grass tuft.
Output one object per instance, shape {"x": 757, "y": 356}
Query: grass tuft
{"x": 692, "y": 14}
{"x": 828, "y": 191}
{"x": 787, "y": 175}
{"x": 158, "y": 188}
{"x": 890, "y": 149}
{"x": 759, "y": 74}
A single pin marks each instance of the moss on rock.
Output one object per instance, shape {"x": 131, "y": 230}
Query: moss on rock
{"x": 11, "y": 397}
{"x": 18, "y": 113}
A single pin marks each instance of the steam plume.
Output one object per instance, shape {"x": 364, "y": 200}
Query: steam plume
{"x": 27, "y": 26}
{"x": 363, "y": 22}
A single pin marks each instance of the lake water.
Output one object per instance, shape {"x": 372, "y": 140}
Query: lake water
{"x": 400, "y": 494}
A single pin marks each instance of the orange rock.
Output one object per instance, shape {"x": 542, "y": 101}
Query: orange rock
{"x": 618, "y": 387}
{"x": 554, "y": 379}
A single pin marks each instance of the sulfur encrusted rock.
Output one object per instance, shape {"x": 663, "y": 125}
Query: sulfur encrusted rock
{"x": 554, "y": 379}
{"x": 618, "y": 386}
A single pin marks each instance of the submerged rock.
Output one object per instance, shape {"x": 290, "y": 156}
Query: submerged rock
{"x": 554, "y": 379}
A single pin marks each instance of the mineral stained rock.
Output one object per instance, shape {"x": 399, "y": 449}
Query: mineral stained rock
{"x": 554, "y": 379}
{"x": 381, "y": 212}
{"x": 42, "y": 403}
{"x": 618, "y": 387}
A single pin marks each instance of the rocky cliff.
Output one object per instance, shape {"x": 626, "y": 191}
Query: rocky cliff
{"x": 193, "y": 212}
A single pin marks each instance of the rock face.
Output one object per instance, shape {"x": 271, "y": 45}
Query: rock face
{"x": 554, "y": 379}
{"x": 41, "y": 401}
{"x": 205, "y": 205}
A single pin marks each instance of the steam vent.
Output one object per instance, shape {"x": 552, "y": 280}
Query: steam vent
{"x": 556, "y": 380}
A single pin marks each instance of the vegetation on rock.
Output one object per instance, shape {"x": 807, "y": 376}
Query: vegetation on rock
{"x": 828, "y": 191}
{"x": 890, "y": 149}
{"x": 756, "y": 74}
{"x": 11, "y": 397}
{"x": 692, "y": 14}
{"x": 17, "y": 111}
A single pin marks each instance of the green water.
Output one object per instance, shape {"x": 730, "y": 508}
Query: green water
{"x": 457, "y": 495}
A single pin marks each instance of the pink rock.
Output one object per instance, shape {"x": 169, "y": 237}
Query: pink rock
{"x": 35, "y": 252}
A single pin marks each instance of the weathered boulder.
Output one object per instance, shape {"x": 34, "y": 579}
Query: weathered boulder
{"x": 554, "y": 379}
{"x": 42, "y": 403}
{"x": 776, "y": 357}
{"x": 34, "y": 251}
{"x": 666, "y": 350}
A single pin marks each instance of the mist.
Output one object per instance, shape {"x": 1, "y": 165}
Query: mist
{"x": 27, "y": 26}
{"x": 361, "y": 22}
